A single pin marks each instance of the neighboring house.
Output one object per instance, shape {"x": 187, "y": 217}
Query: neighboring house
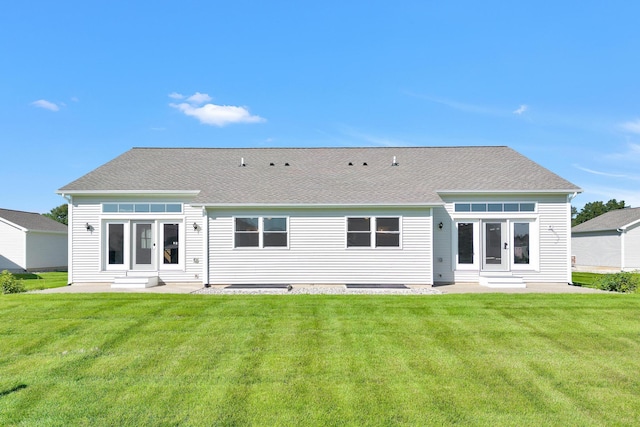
{"x": 610, "y": 241}
{"x": 31, "y": 242}
{"x": 320, "y": 216}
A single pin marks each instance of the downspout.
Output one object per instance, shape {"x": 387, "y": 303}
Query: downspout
{"x": 622, "y": 232}
{"x": 205, "y": 247}
{"x": 570, "y": 197}
{"x": 69, "y": 200}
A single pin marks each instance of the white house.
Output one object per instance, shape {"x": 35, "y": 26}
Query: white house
{"x": 608, "y": 242}
{"x": 31, "y": 242}
{"x": 413, "y": 216}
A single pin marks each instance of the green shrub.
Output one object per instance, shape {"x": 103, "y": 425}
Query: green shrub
{"x": 9, "y": 283}
{"x": 619, "y": 282}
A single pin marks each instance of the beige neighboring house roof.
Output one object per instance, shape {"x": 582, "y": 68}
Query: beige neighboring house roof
{"x": 30, "y": 221}
{"x": 612, "y": 220}
{"x": 319, "y": 176}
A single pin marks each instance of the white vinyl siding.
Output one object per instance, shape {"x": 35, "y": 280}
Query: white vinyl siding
{"x": 317, "y": 252}
{"x": 632, "y": 248}
{"x": 46, "y": 251}
{"x": 12, "y": 248}
{"x": 89, "y": 246}
{"x": 597, "y": 249}
{"x": 552, "y": 227}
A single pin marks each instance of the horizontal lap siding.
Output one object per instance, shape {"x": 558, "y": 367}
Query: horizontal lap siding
{"x": 12, "y": 248}
{"x": 86, "y": 245}
{"x": 317, "y": 252}
{"x": 632, "y": 248}
{"x": 599, "y": 249}
{"x": 555, "y": 237}
{"x": 553, "y": 214}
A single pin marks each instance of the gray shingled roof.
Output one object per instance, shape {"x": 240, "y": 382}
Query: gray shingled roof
{"x": 611, "y": 220}
{"x": 320, "y": 175}
{"x": 32, "y": 221}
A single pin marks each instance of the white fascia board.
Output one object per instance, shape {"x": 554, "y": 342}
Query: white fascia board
{"x": 318, "y": 205}
{"x": 128, "y": 193}
{"x": 514, "y": 192}
{"x": 14, "y": 225}
{"x": 631, "y": 224}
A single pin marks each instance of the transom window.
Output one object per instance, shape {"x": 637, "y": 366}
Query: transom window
{"x": 495, "y": 207}
{"x": 377, "y": 232}
{"x": 142, "y": 207}
{"x": 261, "y": 232}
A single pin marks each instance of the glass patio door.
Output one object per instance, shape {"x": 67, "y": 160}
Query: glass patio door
{"x": 496, "y": 247}
{"x": 143, "y": 246}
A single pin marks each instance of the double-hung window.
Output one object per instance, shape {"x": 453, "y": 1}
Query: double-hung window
{"x": 374, "y": 232}
{"x": 261, "y": 232}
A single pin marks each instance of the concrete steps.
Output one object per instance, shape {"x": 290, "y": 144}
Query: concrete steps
{"x": 134, "y": 282}
{"x": 502, "y": 280}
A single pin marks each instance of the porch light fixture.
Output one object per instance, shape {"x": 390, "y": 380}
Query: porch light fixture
{"x": 440, "y": 225}
{"x": 195, "y": 227}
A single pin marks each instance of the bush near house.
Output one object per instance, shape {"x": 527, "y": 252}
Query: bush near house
{"x": 619, "y": 282}
{"x": 10, "y": 284}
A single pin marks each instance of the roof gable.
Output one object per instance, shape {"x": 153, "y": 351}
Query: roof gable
{"x": 320, "y": 175}
{"x": 612, "y": 220}
{"x": 32, "y": 221}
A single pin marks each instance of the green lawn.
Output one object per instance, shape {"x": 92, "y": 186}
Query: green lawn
{"x": 166, "y": 360}
{"x": 38, "y": 281}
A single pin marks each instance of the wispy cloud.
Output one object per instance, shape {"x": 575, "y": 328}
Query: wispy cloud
{"x": 632, "y": 126}
{"x": 463, "y": 106}
{"x": 608, "y": 174}
{"x": 47, "y": 105}
{"x": 631, "y": 154}
{"x": 378, "y": 140}
{"x": 176, "y": 95}
{"x": 212, "y": 114}
{"x": 521, "y": 109}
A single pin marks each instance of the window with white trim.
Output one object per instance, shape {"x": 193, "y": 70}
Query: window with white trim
{"x": 376, "y": 232}
{"x": 261, "y": 232}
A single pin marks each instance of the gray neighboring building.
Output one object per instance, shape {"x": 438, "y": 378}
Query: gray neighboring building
{"x": 31, "y": 242}
{"x": 608, "y": 242}
{"x": 413, "y": 216}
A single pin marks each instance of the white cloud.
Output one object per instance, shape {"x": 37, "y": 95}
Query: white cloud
{"x": 608, "y": 174}
{"x": 43, "y": 103}
{"x": 633, "y": 126}
{"x": 521, "y": 109}
{"x": 75, "y": 99}
{"x": 198, "y": 98}
{"x": 216, "y": 115}
{"x": 176, "y": 95}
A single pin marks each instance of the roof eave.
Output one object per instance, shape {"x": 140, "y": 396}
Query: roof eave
{"x": 63, "y": 192}
{"x": 319, "y": 205}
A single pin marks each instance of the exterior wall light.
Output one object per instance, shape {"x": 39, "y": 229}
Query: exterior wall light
{"x": 195, "y": 227}
{"x": 88, "y": 226}
{"x": 440, "y": 225}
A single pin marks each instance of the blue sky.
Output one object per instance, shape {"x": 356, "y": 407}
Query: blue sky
{"x": 84, "y": 81}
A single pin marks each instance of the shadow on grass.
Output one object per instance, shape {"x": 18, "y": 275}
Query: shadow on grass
{"x": 12, "y": 390}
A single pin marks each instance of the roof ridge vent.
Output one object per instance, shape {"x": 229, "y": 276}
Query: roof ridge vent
{"x": 242, "y": 163}
{"x": 394, "y": 163}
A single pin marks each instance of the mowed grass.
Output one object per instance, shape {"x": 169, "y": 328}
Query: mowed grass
{"x": 166, "y": 360}
{"x": 39, "y": 281}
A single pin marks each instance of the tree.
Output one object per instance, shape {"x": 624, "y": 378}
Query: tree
{"x": 59, "y": 214}
{"x": 594, "y": 209}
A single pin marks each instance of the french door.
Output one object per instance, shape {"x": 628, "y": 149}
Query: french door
{"x": 144, "y": 245}
{"x": 495, "y": 238}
